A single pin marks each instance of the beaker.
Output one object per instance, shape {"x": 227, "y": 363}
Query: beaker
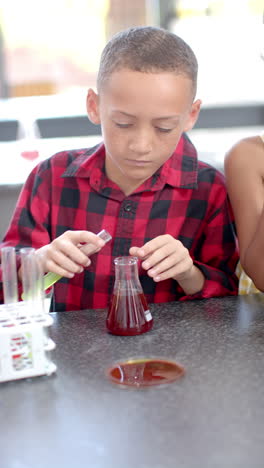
{"x": 128, "y": 312}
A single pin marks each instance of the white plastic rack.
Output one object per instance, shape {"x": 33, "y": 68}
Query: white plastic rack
{"x": 25, "y": 344}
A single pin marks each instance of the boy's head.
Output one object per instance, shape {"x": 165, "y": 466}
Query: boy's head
{"x": 145, "y": 101}
{"x": 148, "y": 50}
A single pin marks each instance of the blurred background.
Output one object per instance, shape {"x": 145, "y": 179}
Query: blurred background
{"x": 49, "y": 56}
{"x": 54, "y": 46}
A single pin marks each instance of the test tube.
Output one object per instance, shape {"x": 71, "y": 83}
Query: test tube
{"x": 104, "y": 235}
{"x": 9, "y": 270}
{"x": 32, "y": 278}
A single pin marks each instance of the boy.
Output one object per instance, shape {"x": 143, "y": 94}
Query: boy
{"x": 143, "y": 184}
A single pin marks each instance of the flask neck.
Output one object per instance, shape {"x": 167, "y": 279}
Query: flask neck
{"x": 126, "y": 271}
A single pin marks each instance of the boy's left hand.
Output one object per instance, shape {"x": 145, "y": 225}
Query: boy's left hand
{"x": 165, "y": 257}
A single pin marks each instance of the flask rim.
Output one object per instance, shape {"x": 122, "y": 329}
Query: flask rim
{"x": 126, "y": 260}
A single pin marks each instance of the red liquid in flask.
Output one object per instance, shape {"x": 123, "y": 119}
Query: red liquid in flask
{"x": 128, "y": 314}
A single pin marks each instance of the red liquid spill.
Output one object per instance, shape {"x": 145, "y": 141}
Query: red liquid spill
{"x": 145, "y": 372}
{"x": 30, "y": 155}
{"x": 128, "y": 315}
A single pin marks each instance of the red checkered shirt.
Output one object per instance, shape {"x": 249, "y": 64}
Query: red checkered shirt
{"x": 185, "y": 198}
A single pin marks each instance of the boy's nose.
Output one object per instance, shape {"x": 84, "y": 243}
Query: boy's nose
{"x": 141, "y": 144}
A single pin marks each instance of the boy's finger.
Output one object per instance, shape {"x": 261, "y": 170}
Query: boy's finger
{"x": 73, "y": 247}
{"x": 137, "y": 252}
{"x": 66, "y": 269}
{"x": 85, "y": 237}
{"x": 89, "y": 249}
{"x": 167, "y": 251}
{"x": 152, "y": 246}
{"x": 166, "y": 263}
{"x": 146, "y": 251}
{"x": 68, "y": 254}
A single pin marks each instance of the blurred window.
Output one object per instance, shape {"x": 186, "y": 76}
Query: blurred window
{"x": 53, "y": 45}
{"x": 228, "y": 38}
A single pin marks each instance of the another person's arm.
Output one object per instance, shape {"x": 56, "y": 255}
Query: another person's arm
{"x": 244, "y": 169}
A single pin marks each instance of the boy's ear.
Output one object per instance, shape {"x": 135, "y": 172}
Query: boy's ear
{"x": 193, "y": 115}
{"x": 92, "y": 107}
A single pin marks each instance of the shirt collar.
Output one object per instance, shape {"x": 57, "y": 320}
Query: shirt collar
{"x": 180, "y": 170}
{"x": 85, "y": 161}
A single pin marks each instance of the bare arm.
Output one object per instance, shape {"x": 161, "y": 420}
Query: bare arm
{"x": 244, "y": 170}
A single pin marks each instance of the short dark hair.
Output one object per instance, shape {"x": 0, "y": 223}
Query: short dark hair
{"x": 150, "y": 50}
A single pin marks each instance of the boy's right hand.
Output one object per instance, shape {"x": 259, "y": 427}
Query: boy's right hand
{"x": 69, "y": 253}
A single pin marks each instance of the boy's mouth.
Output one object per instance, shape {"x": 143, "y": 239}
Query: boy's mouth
{"x": 138, "y": 162}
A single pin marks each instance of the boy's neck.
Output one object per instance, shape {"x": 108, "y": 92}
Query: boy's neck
{"x": 126, "y": 186}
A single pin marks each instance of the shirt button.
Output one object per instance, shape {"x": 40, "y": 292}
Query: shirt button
{"x": 128, "y": 207}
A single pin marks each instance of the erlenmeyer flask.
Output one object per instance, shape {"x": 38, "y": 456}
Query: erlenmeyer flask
{"x": 128, "y": 312}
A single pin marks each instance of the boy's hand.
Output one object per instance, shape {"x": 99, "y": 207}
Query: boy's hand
{"x": 165, "y": 257}
{"x": 69, "y": 253}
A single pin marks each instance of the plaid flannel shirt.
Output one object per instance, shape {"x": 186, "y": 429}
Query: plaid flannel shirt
{"x": 185, "y": 198}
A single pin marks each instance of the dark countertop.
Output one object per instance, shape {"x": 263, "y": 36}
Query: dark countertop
{"x": 212, "y": 417}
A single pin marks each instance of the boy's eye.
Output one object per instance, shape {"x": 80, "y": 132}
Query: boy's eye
{"x": 123, "y": 125}
{"x": 164, "y": 130}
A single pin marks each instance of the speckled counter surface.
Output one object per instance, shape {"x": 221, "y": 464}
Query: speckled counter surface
{"x": 213, "y": 417}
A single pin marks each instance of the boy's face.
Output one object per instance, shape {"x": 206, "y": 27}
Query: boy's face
{"x": 142, "y": 116}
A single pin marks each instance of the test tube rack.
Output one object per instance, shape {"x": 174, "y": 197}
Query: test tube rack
{"x": 24, "y": 342}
